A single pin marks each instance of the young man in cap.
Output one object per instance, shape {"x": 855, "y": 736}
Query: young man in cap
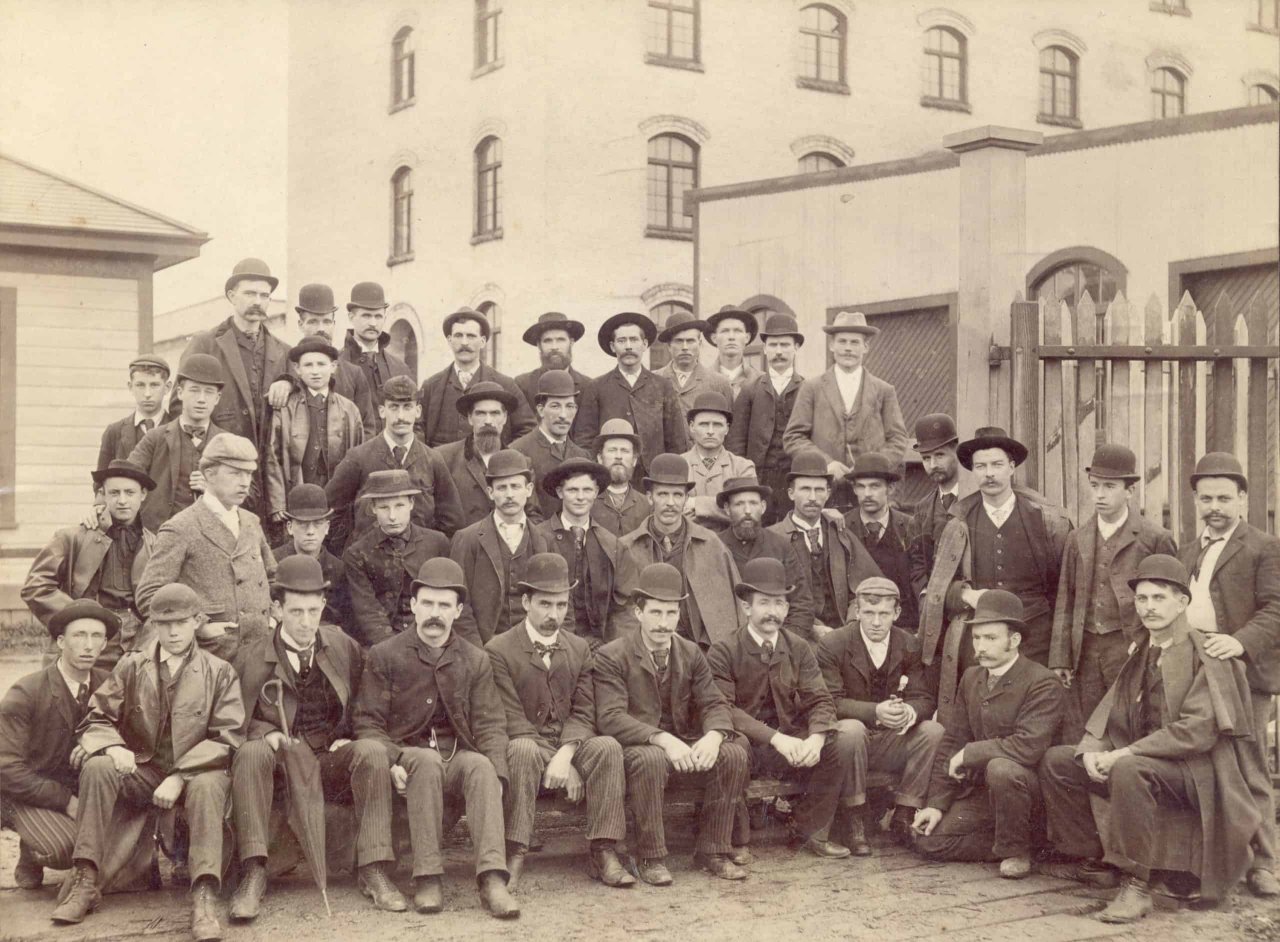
{"x": 382, "y": 563}
{"x": 104, "y": 564}
{"x": 656, "y": 695}
{"x": 1235, "y": 601}
{"x": 307, "y": 517}
{"x": 39, "y": 759}
{"x": 682, "y": 333}
{"x": 365, "y": 346}
{"x": 554, "y": 335}
{"x": 217, "y": 547}
{"x": 494, "y": 551}
{"x": 428, "y": 698}
{"x": 632, "y": 392}
{"x": 148, "y": 383}
{"x": 706, "y": 607}
{"x": 983, "y": 792}
{"x": 846, "y": 411}
{"x": 486, "y": 407}
{"x": 317, "y": 668}
{"x": 884, "y": 703}
{"x": 883, "y": 529}
{"x": 467, "y": 333}
{"x": 936, "y": 442}
{"x": 544, "y": 678}
{"x": 547, "y": 444}
{"x": 762, "y": 407}
{"x": 1094, "y": 621}
{"x": 621, "y": 507}
{"x": 160, "y": 730}
{"x": 731, "y": 330}
{"x": 781, "y": 705}
{"x": 710, "y": 463}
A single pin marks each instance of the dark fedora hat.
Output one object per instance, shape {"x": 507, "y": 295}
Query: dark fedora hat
{"x": 1114, "y": 462}
{"x": 120, "y": 468}
{"x": 506, "y": 464}
{"x": 367, "y": 294}
{"x": 467, "y": 314}
{"x": 300, "y": 573}
{"x": 1220, "y": 464}
{"x": 393, "y": 483}
{"x": 763, "y": 574}
{"x": 546, "y": 572}
{"x": 935, "y": 430}
{"x": 479, "y": 392}
{"x": 315, "y": 299}
{"x": 440, "y": 573}
{"x": 307, "y": 502}
{"x": 872, "y": 464}
{"x": 850, "y": 322}
{"x": 572, "y": 467}
{"x": 552, "y": 320}
{"x": 555, "y": 384}
{"x": 668, "y": 469}
{"x": 150, "y": 361}
{"x": 251, "y": 269}
{"x": 991, "y": 436}
{"x": 660, "y": 581}
{"x": 312, "y": 344}
{"x": 742, "y": 485}
{"x": 202, "y": 368}
{"x": 809, "y": 463}
{"x": 616, "y": 428}
{"x": 997, "y": 605}
{"x": 83, "y": 608}
{"x": 399, "y": 389}
{"x": 1161, "y": 568}
{"x": 710, "y": 402}
{"x": 779, "y": 324}
{"x": 678, "y": 322}
{"x": 645, "y": 323}
{"x": 730, "y": 312}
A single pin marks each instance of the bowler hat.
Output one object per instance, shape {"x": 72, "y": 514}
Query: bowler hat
{"x": 605, "y": 335}
{"x": 572, "y": 467}
{"x": 779, "y": 324}
{"x": 809, "y": 463}
{"x": 997, "y": 605}
{"x": 1114, "y": 462}
{"x": 554, "y": 384}
{"x": 668, "y": 469}
{"x": 991, "y": 436}
{"x": 467, "y": 314}
{"x": 1220, "y": 464}
{"x": 367, "y": 294}
{"x": 233, "y": 450}
{"x": 616, "y": 428}
{"x": 678, "y": 322}
{"x": 202, "y": 368}
{"x": 83, "y": 608}
{"x": 710, "y": 402}
{"x": 850, "y": 322}
{"x": 312, "y": 344}
{"x": 479, "y": 392}
{"x": 935, "y": 430}
{"x": 399, "y": 389}
{"x": 552, "y": 320}
{"x": 300, "y": 573}
{"x": 150, "y": 361}
{"x": 872, "y": 464}
{"x": 546, "y": 572}
{"x": 1161, "y": 568}
{"x": 662, "y": 582}
{"x": 393, "y": 483}
{"x": 307, "y": 502}
{"x": 729, "y": 312}
{"x": 763, "y": 574}
{"x": 878, "y": 585}
{"x": 250, "y": 269}
{"x": 315, "y": 299}
{"x": 174, "y": 602}
{"x": 120, "y": 468}
{"x": 742, "y": 485}
{"x": 506, "y": 464}
{"x": 440, "y": 573}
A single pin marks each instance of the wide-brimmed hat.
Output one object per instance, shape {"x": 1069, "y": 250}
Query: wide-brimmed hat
{"x": 150, "y": 361}
{"x": 991, "y": 436}
{"x": 997, "y": 605}
{"x": 83, "y": 608}
{"x": 872, "y": 464}
{"x": 552, "y": 320}
{"x": 467, "y": 314}
{"x": 850, "y": 322}
{"x": 779, "y": 324}
{"x": 572, "y": 467}
{"x": 393, "y": 483}
{"x": 174, "y": 602}
{"x": 742, "y": 485}
{"x": 507, "y": 463}
{"x": 233, "y": 450}
{"x": 367, "y": 294}
{"x": 935, "y": 430}
{"x": 668, "y": 469}
{"x": 307, "y": 502}
{"x": 300, "y": 573}
{"x": 678, "y": 322}
{"x": 546, "y": 572}
{"x": 315, "y": 299}
{"x": 1220, "y": 464}
{"x": 763, "y": 574}
{"x": 555, "y": 384}
{"x": 729, "y": 312}
{"x": 878, "y": 585}
{"x": 605, "y": 335}
{"x": 312, "y": 344}
{"x": 809, "y": 463}
{"x": 616, "y": 428}
{"x": 479, "y": 392}
{"x": 121, "y": 468}
{"x": 1159, "y": 567}
{"x": 662, "y": 582}
{"x": 201, "y": 368}
{"x": 710, "y": 401}
{"x": 441, "y": 573}
{"x": 399, "y": 389}
{"x": 250, "y": 269}
{"x": 1114, "y": 462}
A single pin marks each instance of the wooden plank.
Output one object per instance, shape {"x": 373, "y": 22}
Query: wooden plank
{"x": 1194, "y": 351}
{"x": 1024, "y": 333}
{"x": 31, "y": 394}
{"x": 1070, "y": 423}
{"x": 72, "y": 338}
{"x": 1185, "y": 331}
{"x": 1155, "y": 483}
{"x": 1056, "y": 927}
{"x": 1220, "y": 394}
{"x": 1053, "y": 438}
{"x": 1086, "y": 324}
{"x": 1260, "y": 426}
{"x": 87, "y": 420}
{"x": 1119, "y": 313}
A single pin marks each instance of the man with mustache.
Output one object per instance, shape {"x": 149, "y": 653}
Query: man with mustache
{"x": 884, "y": 529}
{"x": 710, "y": 463}
{"x": 731, "y": 330}
{"x": 682, "y": 333}
{"x": 308, "y": 516}
{"x": 621, "y": 507}
{"x": 486, "y": 407}
{"x": 554, "y": 335}
{"x": 936, "y": 442}
{"x": 365, "y": 346}
{"x": 547, "y": 444}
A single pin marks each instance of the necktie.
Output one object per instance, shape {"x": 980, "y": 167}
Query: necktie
{"x": 195, "y": 434}
{"x": 948, "y": 500}
{"x": 874, "y": 529}
{"x": 82, "y": 699}
{"x": 666, "y": 543}
{"x": 811, "y": 536}
{"x": 546, "y": 650}
{"x": 660, "y": 660}
{"x": 766, "y": 649}
{"x": 579, "y": 537}
{"x": 304, "y": 661}
{"x": 1204, "y": 551}
{"x": 147, "y": 425}
{"x": 709, "y": 462}
{"x": 992, "y": 680}
{"x": 398, "y": 453}
{"x": 464, "y": 379}
{"x": 166, "y": 675}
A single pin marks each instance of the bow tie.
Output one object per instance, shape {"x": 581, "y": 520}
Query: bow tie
{"x": 546, "y": 649}
{"x": 193, "y": 432}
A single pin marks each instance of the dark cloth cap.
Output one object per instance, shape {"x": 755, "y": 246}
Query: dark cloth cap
{"x": 399, "y": 389}
{"x": 83, "y": 608}
{"x": 1161, "y": 568}
{"x": 763, "y": 574}
{"x": 150, "y": 361}
{"x": 393, "y": 483}
{"x": 710, "y": 402}
{"x": 997, "y": 605}
{"x": 742, "y": 485}
{"x": 546, "y": 572}
{"x": 660, "y": 581}
{"x": 572, "y": 467}
{"x": 668, "y": 469}
{"x": 315, "y": 299}
{"x": 935, "y": 430}
{"x": 174, "y": 602}
{"x": 479, "y": 392}
{"x": 552, "y": 320}
{"x": 872, "y": 464}
{"x": 307, "y": 502}
{"x": 729, "y": 312}
{"x": 313, "y": 344}
{"x": 202, "y": 368}
{"x": 554, "y": 384}
{"x": 605, "y": 335}
{"x": 1114, "y": 462}
{"x": 678, "y": 322}
{"x": 120, "y": 468}
{"x": 1220, "y": 464}
{"x": 300, "y": 573}
{"x": 467, "y": 314}
{"x": 991, "y": 436}
{"x": 809, "y": 463}
{"x": 441, "y": 573}
{"x": 250, "y": 269}
{"x": 507, "y": 463}
{"x": 616, "y": 428}
{"x": 367, "y": 294}
{"x": 779, "y": 324}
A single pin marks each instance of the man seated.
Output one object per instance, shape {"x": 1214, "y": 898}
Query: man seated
{"x": 780, "y": 703}
{"x": 318, "y": 672}
{"x": 656, "y": 695}
{"x": 428, "y": 698}
{"x": 544, "y": 678}
{"x": 983, "y": 792}
{"x": 1165, "y": 746}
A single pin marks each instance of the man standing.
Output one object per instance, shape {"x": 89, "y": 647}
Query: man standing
{"x": 883, "y": 529}
{"x": 846, "y": 411}
{"x": 547, "y": 444}
{"x": 762, "y": 408}
{"x": 682, "y": 334}
{"x": 486, "y": 407}
{"x": 554, "y": 335}
{"x": 39, "y": 759}
{"x": 544, "y": 679}
{"x": 655, "y": 694}
{"x": 317, "y": 671}
{"x": 731, "y": 330}
{"x": 428, "y": 698}
{"x": 936, "y": 442}
{"x": 307, "y": 523}
{"x": 366, "y": 344}
{"x": 148, "y": 382}
{"x": 621, "y": 507}
{"x": 631, "y": 392}
{"x": 710, "y": 463}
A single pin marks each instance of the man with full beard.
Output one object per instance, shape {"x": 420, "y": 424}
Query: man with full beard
{"x": 486, "y": 407}
{"x": 554, "y": 335}
{"x": 621, "y": 507}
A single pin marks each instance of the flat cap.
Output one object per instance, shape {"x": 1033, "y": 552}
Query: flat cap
{"x": 174, "y": 602}
{"x": 149, "y": 361}
{"x": 877, "y": 585}
{"x": 234, "y": 450}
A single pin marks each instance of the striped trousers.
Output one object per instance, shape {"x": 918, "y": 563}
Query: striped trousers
{"x": 48, "y": 835}
{"x": 599, "y": 762}
{"x": 431, "y": 777}
{"x": 648, "y": 770}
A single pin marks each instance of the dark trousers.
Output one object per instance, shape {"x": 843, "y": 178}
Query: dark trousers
{"x": 431, "y": 777}
{"x": 825, "y": 783}
{"x": 990, "y": 822}
{"x": 776, "y": 478}
{"x": 1264, "y": 842}
{"x": 1101, "y": 657}
{"x": 599, "y": 762}
{"x": 355, "y": 774}
{"x": 909, "y": 756}
{"x": 648, "y": 769}
{"x": 48, "y": 836}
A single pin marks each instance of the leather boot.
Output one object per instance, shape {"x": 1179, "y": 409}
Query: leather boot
{"x": 653, "y": 870}
{"x": 428, "y": 895}
{"x": 515, "y": 865}
{"x": 719, "y": 865}
{"x": 28, "y": 874}
{"x": 856, "y": 839}
{"x": 1131, "y": 903}
{"x": 604, "y": 865}
{"x": 377, "y": 886}
{"x": 494, "y": 895}
{"x": 204, "y": 911}
{"x": 248, "y": 895}
{"x": 79, "y": 896}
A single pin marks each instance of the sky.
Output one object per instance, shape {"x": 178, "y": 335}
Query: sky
{"x": 178, "y": 106}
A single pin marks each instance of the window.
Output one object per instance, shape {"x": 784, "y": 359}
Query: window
{"x": 1168, "y": 93}
{"x": 1266, "y": 15}
{"x": 488, "y": 51}
{"x": 818, "y": 161}
{"x": 945, "y": 69}
{"x": 822, "y": 48}
{"x": 401, "y": 215}
{"x": 489, "y": 189}
{"x": 402, "y": 69}
{"x": 660, "y": 353}
{"x": 1069, "y": 281}
{"x": 673, "y": 169}
{"x": 493, "y": 313}
{"x": 1059, "y": 82}
{"x": 673, "y": 32}
{"x": 1263, "y": 94}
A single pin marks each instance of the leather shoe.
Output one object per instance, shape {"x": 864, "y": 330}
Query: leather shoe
{"x": 603, "y": 865}
{"x": 653, "y": 870}
{"x": 204, "y": 911}
{"x": 719, "y": 865}
{"x": 515, "y": 867}
{"x": 900, "y": 825}
{"x": 248, "y": 895}
{"x": 827, "y": 850}
{"x": 428, "y": 895}
{"x": 1092, "y": 872}
{"x": 741, "y": 856}
{"x": 1263, "y": 883}
{"x": 28, "y": 874}
{"x": 377, "y": 886}
{"x": 1015, "y": 868}
{"x": 78, "y": 896}
{"x": 856, "y": 838}
{"x": 494, "y": 896}
{"x": 1131, "y": 903}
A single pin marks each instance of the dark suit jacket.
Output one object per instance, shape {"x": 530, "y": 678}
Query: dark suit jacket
{"x": 1245, "y": 588}
{"x": 537, "y": 448}
{"x": 602, "y": 558}
{"x": 436, "y": 507}
{"x": 652, "y": 407}
{"x": 927, "y": 520}
{"x": 120, "y": 438}
{"x": 440, "y": 422}
{"x": 621, "y": 521}
{"x": 628, "y": 705}
{"x": 64, "y": 568}
{"x": 375, "y": 577}
{"x": 817, "y": 420}
{"x": 38, "y": 720}
{"x": 774, "y": 545}
{"x": 791, "y": 680}
{"x": 475, "y": 549}
{"x": 533, "y": 695}
{"x": 377, "y": 369}
{"x": 234, "y": 411}
{"x": 897, "y": 543}
{"x": 528, "y": 384}
{"x": 158, "y": 454}
{"x": 846, "y": 668}
{"x": 337, "y": 598}
{"x": 847, "y": 559}
{"x": 755, "y": 412}
{"x": 467, "y": 471}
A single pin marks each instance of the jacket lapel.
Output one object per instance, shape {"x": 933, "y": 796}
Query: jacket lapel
{"x": 831, "y": 392}
{"x": 525, "y": 643}
{"x": 231, "y": 357}
{"x": 172, "y": 437}
{"x": 61, "y": 694}
{"x": 215, "y": 530}
{"x": 859, "y": 657}
{"x": 1234, "y": 545}
{"x": 337, "y": 679}
{"x": 489, "y": 543}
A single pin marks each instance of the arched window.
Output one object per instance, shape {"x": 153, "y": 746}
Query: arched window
{"x": 660, "y": 353}
{"x": 946, "y": 67}
{"x": 489, "y": 188}
{"x": 1168, "y": 93}
{"x": 817, "y": 161}
{"x": 673, "y": 32}
{"x": 404, "y": 344}
{"x": 401, "y": 215}
{"x": 822, "y": 47}
{"x": 402, "y": 68}
{"x": 488, "y": 50}
{"x": 1263, "y": 94}
{"x": 1071, "y": 278}
{"x": 673, "y": 169}
{"x": 1059, "y": 83}
{"x": 493, "y": 313}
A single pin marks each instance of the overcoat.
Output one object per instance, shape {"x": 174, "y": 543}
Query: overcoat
{"x": 621, "y": 520}
{"x": 601, "y": 548}
{"x": 467, "y": 471}
{"x": 350, "y": 382}
{"x": 708, "y": 482}
{"x": 847, "y": 559}
{"x": 896, "y": 541}
{"x": 533, "y": 696}
{"x": 927, "y": 520}
{"x": 651, "y": 406}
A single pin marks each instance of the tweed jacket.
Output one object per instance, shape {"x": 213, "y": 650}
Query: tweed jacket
{"x": 846, "y": 667}
{"x": 376, "y": 367}
{"x": 701, "y": 379}
{"x": 475, "y": 549}
{"x": 206, "y": 714}
{"x": 290, "y": 428}
{"x": 755, "y": 413}
{"x": 817, "y": 420}
{"x": 337, "y": 598}
{"x": 338, "y": 657}
{"x": 440, "y": 422}
{"x": 67, "y": 564}
{"x": 436, "y": 507}
{"x": 392, "y": 703}
{"x": 534, "y": 697}
{"x": 159, "y": 454}
{"x": 847, "y": 559}
{"x": 602, "y": 561}
{"x": 1137, "y": 539}
{"x": 234, "y": 411}
{"x": 528, "y": 384}
{"x": 38, "y": 720}
{"x": 622, "y": 520}
{"x": 928, "y": 517}
{"x": 651, "y": 406}
{"x": 790, "y": 680}
{"x": 708, "y": 482}
{"x": 897, "y": 540}
{"x": 120, "y": 438}
{"x": 535, "y": 446}
{"x": 774, "y": 545}
{"x": 628, "y": 699}
{"x": 376, "y": 572}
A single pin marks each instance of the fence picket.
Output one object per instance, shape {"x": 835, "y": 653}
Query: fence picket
{"x": 1070, "y": 424}
{"x": 1155, "y": 483}
{"x": 1119, "y": 401}
{"x": 1086, "y": 324}
{"x": 1259, "y": 429}
{"x": 1051, "y": 326}
{"x": 1184, "y": 451}
{"x": 1024, "y": 416}
{"x": 1220, "y": 401}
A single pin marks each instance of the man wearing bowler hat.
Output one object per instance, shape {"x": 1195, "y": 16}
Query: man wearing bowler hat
{"x": 883, "y": 529}
{"x": 710, "y": 463}
{"x": 731, "y": 330}
{"x": 847, "y": 411}
{"x": 39, "y": 759}
{"x": 307, "y": 518}
{"x": 936, "y": 442}
{"x": 547, "y": 444}
{"x": 148, "y": 382}
{"x": 621, "y": 507}
{"x": 366, "y": 342}
{"x": 682, "y": 333}
{"x": 554, "y": 335}
{"x": 544, "y": 678}
{"x": 762, "y": 408}
{"x": 486, "y": 407}
{"x": 631, "y": 392}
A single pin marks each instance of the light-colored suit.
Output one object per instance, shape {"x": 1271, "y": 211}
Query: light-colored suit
{"x": 708, "y": 482}
{"x": 818, "y": 420}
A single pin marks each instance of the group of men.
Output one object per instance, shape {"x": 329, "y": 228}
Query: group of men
{"x": 485, "y": 588}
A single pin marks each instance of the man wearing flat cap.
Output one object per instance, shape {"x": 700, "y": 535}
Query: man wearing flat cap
{"x": 148, "y": 383}
{"x": 467, "y": 333}
{"x": 485, "y": 407}
{"x": 936, "y": 442}
{"x": 39, "y": 759}
{"x": 103, "y": 564}
{"x": 682, "y": 333}
{"x": 554, "y": 335}
{"x": 307, "y": 517}
{"x": 547, "y": 444}
{"x": 710, "y": 463}
{"x": 365, "y": 346}
{"x": 731, "y": 330}
{"x": 884, "y": 529}
{"x": 846, "y": 411}
{"x": 217, "y": 547}
{"x": 631, "y": 392}
{"x": 621, "y": 507}
{"x": 544, "y": 678}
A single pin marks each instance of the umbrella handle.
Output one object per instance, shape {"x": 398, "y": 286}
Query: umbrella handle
{"x": 278, "y": 700}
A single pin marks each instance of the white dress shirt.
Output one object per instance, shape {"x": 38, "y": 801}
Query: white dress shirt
{"x": 541, "y": 639}
{"x": 175, "y": 661}
{"x": 878, "y": 650}
{"x": 779, "y": 381}
{"x": 849, "y": 384}
{"x": 806, "y": 529}
{"x": 731, "y": 374}
{"x": 631, "y": 378}
{"x": 464, "y": 376}
{"x": 999, "y": 514}
{"x": 682, "y": 379}
{"x": 883, "y": 520}
{"x": 1108, "y": 530}
{"x": 1001, "y": 671}
{"x": 1200, "y": 613}
{"x": 230, "y": 518}
{"x": 72, "y": 684}
{"x": 393, "y": 445}
{"x": 511, "y": 533}
{"x": 760, "y": 639}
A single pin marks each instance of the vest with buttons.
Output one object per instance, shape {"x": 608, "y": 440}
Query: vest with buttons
{"x": 821, "y": 586}
{"x": 513, "y": 566}
{"x": 1003, "y": 559}
{"x": 315, "y": 463}
{"x": 775, "y": 456}
{"x": 879, "y": 680}
{"x": 1104, "y": 607}
{"x": 895, "y": 565}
